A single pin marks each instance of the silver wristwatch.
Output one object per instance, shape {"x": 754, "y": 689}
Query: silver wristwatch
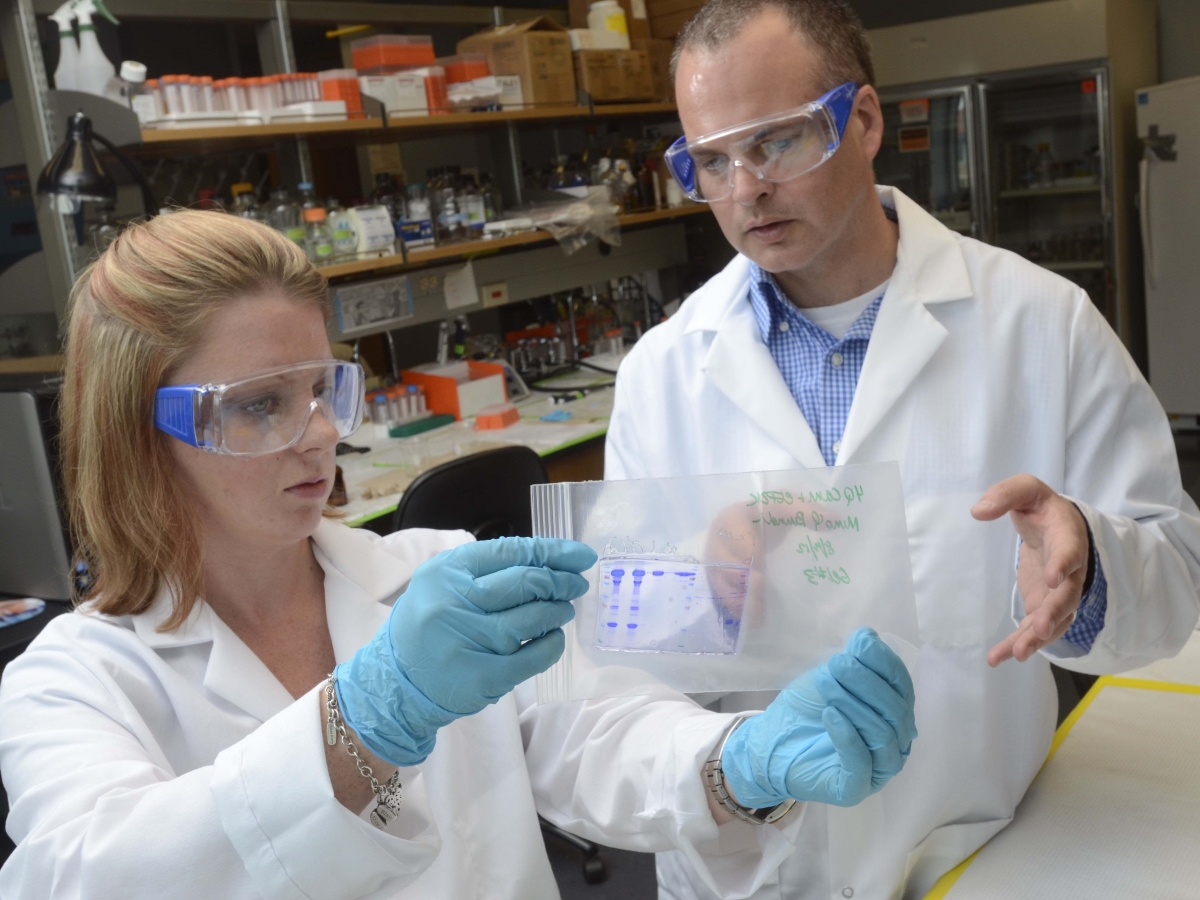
{"x": 714, "y": 778}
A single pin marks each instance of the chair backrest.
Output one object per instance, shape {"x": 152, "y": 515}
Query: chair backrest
{"x": 485, "y": 493}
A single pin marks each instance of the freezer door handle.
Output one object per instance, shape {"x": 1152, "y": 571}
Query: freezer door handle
{"x": 1144, "y": 216}
{"x": 1161, "y": 145}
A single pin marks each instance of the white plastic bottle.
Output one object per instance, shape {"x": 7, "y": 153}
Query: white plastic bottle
{"x": 341, "y": 223}
{"x": 68, "y": 49}
{"x": 135, "y": 92}
{"x": 607, "y": 15}
{"x": 94, "y": 73}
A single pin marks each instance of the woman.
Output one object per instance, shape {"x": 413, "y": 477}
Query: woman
{"x": 235, "y": 711}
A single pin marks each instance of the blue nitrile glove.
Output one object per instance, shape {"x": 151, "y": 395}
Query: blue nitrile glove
{"x": 835, "y": 735}
{"x": 456, "y": 640}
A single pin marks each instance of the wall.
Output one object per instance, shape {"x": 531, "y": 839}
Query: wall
{"x": 1178, "y": 22}
{"x": 1000, "y": 40}
{"x": 1179, "y": 38}
{"x": 883, "y": 13}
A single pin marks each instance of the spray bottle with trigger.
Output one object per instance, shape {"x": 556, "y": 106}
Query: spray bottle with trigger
{"x": 94, "y": 73}
{"x": 68, "y": 49}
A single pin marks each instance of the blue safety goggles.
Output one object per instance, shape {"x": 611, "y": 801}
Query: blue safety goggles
{"x": 775, "y": 148}
{"x": 265, "y": 412}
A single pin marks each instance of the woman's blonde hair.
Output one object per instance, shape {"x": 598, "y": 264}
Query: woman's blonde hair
{"x": 135, "y": 314}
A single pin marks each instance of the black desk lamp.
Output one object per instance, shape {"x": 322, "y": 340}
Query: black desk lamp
{"x": 75, "y": 172}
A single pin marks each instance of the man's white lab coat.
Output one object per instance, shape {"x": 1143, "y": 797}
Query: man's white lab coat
{"x": 148, "y": 765}
{"x": 981, "y": 366}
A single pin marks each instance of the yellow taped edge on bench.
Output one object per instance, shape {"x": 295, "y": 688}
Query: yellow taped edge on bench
{"x": 947, "y": 881}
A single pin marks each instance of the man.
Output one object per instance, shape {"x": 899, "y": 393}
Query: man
{"x": 852, "y": 328}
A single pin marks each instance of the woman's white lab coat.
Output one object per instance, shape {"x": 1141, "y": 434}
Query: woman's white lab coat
{"x": 981, "y": 366}
{"x": 141, "y": 764}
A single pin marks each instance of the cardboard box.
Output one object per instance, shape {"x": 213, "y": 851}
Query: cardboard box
{"x": 511, "y": 96}
{"x": 538, "y": 50}
{"x": 612, "y": 76}
{"x": 401, "y": 93}
{"x": 667, "y": 17}
{"x": 659, "y": 52}
{"x": 637, "y": 15}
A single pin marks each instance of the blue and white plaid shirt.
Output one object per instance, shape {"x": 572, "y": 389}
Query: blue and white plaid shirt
{"x": 822, "y": 374}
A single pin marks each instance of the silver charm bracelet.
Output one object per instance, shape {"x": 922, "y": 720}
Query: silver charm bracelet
{"x": 714, "y": 778}
{"x": 388, "y": 795}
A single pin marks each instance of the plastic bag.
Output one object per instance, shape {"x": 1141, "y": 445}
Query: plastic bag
{"x": 727, "y": 582}
{"x": 573, "y": 221}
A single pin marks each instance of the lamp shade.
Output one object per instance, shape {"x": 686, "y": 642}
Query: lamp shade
{"x": 75, "y": 171}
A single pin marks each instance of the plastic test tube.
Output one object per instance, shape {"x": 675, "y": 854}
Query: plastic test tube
{"x": 154, "y": 85}
{"x": 172, "y": 97}
{"x": 206, "y": 93}
{"x": 236, "y": 94}
{"x": 187, "y": 94}
{"x": 379, "y": 415}
{"x": 393, "y": 407}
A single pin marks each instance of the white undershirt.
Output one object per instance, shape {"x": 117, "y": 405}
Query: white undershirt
{"x": 838, "y": 318}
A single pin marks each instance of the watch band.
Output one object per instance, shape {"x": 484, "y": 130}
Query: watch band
{"x": 714, "y": 778}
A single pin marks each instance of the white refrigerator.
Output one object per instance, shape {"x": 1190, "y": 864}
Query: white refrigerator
{"x": 1168, "y": 123}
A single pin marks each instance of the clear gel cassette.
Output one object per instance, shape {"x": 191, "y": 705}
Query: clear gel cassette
{"x": 726, "y": 582}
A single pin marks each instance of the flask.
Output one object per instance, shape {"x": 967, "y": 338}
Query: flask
{"x": 244, "y": 202}
{"x": 285, "y": 216}
{"x": 417, "y": 228}
{"x": 386, "y": 194}
{"x": 308, "y": 197}
{"x": 318, "y": 239}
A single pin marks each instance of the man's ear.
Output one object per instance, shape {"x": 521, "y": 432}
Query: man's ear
{"x": 867, "y": 116}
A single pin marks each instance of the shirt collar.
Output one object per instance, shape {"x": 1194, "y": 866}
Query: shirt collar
{"x": 770, "y": 305}
{"x": 764, "y": 300}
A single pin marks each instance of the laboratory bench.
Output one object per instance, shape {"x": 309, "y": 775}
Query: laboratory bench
{"x": 1115, "y": 811}
{"x": 572, "y": 449}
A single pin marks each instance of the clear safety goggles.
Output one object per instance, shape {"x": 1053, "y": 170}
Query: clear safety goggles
{"x": 775, "y": 148}
{"x": 264, "y": 413}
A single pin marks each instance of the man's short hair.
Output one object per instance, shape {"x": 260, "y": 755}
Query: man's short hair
{"x": 830, "y": 26}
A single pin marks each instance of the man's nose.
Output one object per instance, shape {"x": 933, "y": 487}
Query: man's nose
{"x": 748, "y": 188}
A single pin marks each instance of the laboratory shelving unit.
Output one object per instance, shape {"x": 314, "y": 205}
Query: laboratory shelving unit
{"x": 371, "y": 127}
{"x": 525, "y": 258}
{"x": 415, "y": 259}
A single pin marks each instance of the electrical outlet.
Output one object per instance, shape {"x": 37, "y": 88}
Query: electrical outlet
{"x": 494, "y": 294}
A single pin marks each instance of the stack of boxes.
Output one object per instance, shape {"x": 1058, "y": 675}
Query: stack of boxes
{"x": 534, "y": 63}
{"x": 641, "y": 72}
{"x": 535, "y": 54}
{"x": 401, "y": 72}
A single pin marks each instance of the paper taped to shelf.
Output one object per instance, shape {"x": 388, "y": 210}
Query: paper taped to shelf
{"x": 727, "y": 582}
